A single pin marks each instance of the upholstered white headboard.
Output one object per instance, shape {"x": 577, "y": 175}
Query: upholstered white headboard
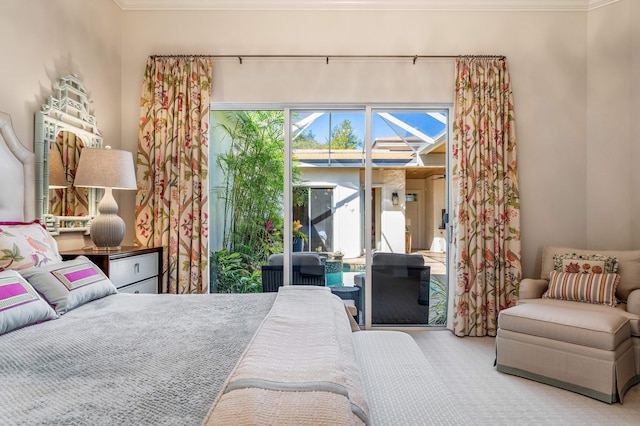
{"x": 17, "y": 180}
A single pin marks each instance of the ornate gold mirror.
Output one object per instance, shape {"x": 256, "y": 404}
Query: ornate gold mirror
{"x": 63, "y": 128}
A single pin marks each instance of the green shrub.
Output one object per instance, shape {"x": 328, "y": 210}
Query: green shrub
{"x": 234, "y": 273}
{"x": 438, "y": 302}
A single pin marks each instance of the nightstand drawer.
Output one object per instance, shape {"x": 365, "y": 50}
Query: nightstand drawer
{"x": 147, "y": 286}
{"x": 132, "y": 269}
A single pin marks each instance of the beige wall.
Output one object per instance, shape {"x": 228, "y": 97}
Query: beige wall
{"x": 614, "y": 126}
{"x": 635, "y": 122}
{"x": 547, "y": 55}
{"x": 43, "y": 40}
{"x": 559, "y": 104}
{"x": 612, "y": 171}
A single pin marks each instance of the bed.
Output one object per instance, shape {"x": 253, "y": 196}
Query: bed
{"x": 117, "y": 359}
{"x": 127, "y": 359}
{"x": 74, "y": 351}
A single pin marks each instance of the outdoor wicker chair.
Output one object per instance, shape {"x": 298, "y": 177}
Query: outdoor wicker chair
{"x": 307, "y": 269}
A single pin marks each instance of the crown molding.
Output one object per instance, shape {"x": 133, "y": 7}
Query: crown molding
{"x": 594, "y": 4}
{"x": 435, "y": 5}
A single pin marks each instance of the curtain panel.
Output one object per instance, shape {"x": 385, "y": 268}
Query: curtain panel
{"x": 486, "y": 198}
{"x": 172, "y": 169}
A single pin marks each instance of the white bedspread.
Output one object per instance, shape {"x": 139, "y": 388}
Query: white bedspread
{"x": 299, "y": 369}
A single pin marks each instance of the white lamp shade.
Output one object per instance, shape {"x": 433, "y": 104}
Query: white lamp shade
{"x": 57, "y": 176}
{"x": 105, "y": 168}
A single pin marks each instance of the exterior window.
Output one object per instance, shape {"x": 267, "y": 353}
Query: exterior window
{"x": 314, "y": 211}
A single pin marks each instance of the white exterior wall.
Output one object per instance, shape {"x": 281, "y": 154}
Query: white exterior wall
{"x": 392, "y": 219}
{"x": 347, "y": 225}
{"x": 347, "y": 218}
{"x": 438, "y": 241}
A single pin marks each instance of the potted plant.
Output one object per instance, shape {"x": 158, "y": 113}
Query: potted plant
{"x": 299, "y": 237}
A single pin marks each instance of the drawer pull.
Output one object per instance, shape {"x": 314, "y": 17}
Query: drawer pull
{"x": 136, "y": 268}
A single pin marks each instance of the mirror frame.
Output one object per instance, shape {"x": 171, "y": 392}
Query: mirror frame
{"x": 67, "y": 109}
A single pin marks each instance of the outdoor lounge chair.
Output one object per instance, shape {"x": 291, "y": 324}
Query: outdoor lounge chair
{"x": 399, "y": 288}
{"x": 307, "y": 269}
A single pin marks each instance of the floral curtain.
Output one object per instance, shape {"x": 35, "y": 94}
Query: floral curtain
{"x": 69, "y": 201}
{"x": 172, "y": 168}
{"x": 486, "y": 198}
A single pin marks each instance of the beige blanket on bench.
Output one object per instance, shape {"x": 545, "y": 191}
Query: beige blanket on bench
{"x": 300, "y": 367}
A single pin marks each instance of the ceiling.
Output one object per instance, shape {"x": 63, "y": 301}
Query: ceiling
{"x": 436, "y": 5}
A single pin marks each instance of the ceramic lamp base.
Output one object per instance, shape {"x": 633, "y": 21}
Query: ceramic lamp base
{"x": 107, "y": 229}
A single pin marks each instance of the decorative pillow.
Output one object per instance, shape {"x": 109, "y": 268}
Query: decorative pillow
{"x": 69, "y": 284}
{"x": 585, "y": 263}
{"x": 20, "y": 305}
{"x": 23, "y": 245}
{"x": 590, "y": 288}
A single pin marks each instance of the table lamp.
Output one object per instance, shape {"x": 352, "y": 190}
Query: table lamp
{"x": 57, "y": 175}
{"x": 109, "y": 169}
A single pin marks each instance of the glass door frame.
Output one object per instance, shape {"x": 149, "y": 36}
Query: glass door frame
{"x": 368, "y": 108}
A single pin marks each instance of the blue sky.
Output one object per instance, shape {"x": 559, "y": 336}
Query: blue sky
{"x": 415, "y": 119}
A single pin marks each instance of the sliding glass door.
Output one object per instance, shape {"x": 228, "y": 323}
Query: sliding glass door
{"x": 348, "y": 185}
{"x": 408, "y": 161}
{"x": 395, "y": 172}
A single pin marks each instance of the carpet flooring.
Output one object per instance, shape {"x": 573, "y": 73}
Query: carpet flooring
{"x": 493, "y": 398}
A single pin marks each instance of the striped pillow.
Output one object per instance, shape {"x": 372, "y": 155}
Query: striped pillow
{"x": 590, "y": 288}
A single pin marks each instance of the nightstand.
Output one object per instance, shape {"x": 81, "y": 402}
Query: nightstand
{"x": 131, "y": 269}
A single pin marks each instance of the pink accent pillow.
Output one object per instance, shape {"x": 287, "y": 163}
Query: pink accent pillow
{"x": 69, "y": 284}
{"x": 20, "y": 305}
{"x": 26, "y": 244}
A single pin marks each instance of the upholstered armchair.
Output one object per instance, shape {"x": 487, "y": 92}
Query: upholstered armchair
{"x": 399, "y": 288}
{"x": 307, "y": 269}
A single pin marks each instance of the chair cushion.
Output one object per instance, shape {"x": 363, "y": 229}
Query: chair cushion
{"x": 620, "y": 309}
{"x": 397, "y": 259}
{"x": 601, "y": 330}
{"x": 297, "y": 259}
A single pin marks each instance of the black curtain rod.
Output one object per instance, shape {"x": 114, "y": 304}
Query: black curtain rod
{"x": 414, "y": 58}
